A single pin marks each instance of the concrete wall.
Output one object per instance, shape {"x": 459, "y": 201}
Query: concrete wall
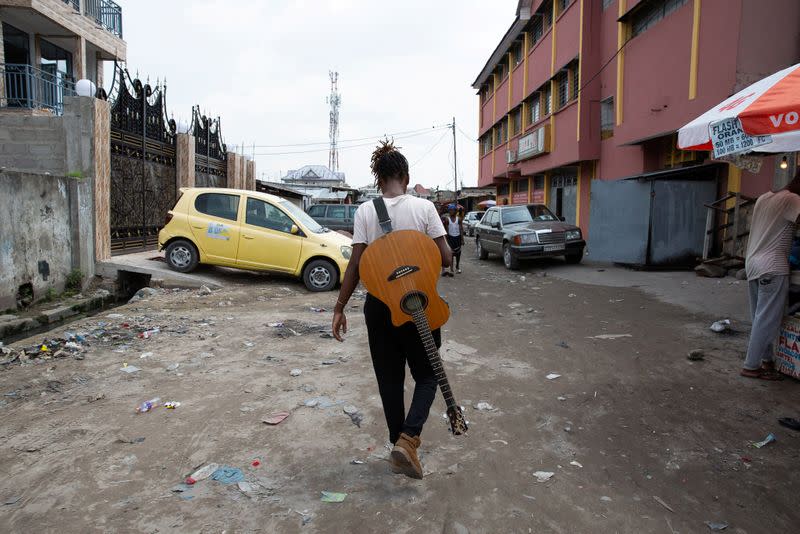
{"x": 35, "y": 233}
{"x": 53, "y": 208}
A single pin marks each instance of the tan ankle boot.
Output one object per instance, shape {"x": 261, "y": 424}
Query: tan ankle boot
{"x": 404, "y": 457}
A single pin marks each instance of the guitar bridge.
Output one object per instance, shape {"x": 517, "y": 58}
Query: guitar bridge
{"x": 403, "y": 270}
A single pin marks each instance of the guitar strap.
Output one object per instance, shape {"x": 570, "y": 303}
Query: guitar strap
{"x": 383, "y": 215}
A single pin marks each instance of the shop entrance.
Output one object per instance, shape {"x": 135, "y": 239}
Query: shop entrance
{"x": 564, "y": 196}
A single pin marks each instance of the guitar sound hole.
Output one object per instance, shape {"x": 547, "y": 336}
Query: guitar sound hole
{"x": 413, "y": 302}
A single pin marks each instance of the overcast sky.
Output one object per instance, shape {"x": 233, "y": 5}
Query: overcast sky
{"x": 263, "y": 67}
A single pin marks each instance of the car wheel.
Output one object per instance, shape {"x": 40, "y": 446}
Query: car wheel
{"x": 182, "y": 256}
{"x": 510, "y": 261}
{"x": 482, "y": 254}
{"x": 574, "y": 259}
{"x": 320, "y": 275}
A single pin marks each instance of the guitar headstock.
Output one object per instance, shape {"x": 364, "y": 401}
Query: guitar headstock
{"x": 458, "y": 425}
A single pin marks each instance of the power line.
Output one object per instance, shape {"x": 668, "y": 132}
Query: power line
{"x": 390, "y": 134}
{"x": 429, "y": 149}
{"x": 467, "y": 136}
{"x": 345, "y": 147}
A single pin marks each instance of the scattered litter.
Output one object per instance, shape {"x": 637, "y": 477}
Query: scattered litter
{"x": 562, "y": 344}
{"x": 246, "y": 487}
{"x": 504, "y": 442}
{"x": 660, "y": 501}
{"x": 529, "y": 497}
{"x": 249, "y": 344}
{"x": 130, "y": 441}
{"x": 561, "y": 398}
{"x": 173, "y": 367}
{"x": 12, "y": 500}
{"x": 605, "y": 498}
{"x": 543, "y": 476}
{"x": 256, "y": 463}
{"x": 171, "y": 405}
{"x": 96, "y": 397}
{"x": 318, "y": 310}
{"x": 202, "y": 473}
{"x": 115, "y": 316}
{"x": 609, "y": 336}
{"x": 296, "y": 372}
{"x": 716, "y": 526}
{"x": 145, "y": 355}
{"x": 275, "y": 325}
{"x": 204, "y": 290}
{"x": 572, "y": 295}
{"x": 576, "y": 464}
{"x": 227, "y": 475}
{"x": 357, "y": 462}
{"x": 721, "y": 326}
{"x": 332, "y": 496}
{"x": 552, "y": 376}
{"x": 766, "y": 441}
{"x": 330, "y": 362}
{"x": 355, "y": 416}
{"x": 696, "y": 355}
{"x": 484, "y": 406}
{"x": 147, "y": 334}
{"x": 275, "y": 418}
{"x": 321, "y": 402}
{"x": 129, "y": 368}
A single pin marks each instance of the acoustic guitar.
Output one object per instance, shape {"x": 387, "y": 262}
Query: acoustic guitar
{"x": 401, "y": 269}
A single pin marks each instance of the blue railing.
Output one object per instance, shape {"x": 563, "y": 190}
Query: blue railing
{"x": 106, "y": 13}
{"x": 29, "y": 87}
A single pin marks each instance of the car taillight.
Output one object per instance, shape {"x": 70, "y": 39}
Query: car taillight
{"x": 168, "y": 218}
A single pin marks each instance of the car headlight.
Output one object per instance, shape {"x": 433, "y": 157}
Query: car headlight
{"x": 347, "y": 251}
{"x": 526, "y": 239}
{"x": 573, "y": 235}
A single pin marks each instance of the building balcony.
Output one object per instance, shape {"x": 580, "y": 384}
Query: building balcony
{"x": 26, "y": 87}
{"x": 107, "y": 14}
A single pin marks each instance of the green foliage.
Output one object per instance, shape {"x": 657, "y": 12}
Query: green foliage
{"x": 74, "y": 281}
{"x": 50, "y": 295}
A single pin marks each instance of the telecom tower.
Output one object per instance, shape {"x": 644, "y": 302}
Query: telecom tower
{"x": 334, "y": 100}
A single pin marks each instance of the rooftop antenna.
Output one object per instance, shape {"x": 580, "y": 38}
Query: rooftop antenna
{"x": 334, "y": 100}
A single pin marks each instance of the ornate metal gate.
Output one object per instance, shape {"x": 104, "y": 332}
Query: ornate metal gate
{"x": 142, "y": 163}
{"x": 211, "y": 157}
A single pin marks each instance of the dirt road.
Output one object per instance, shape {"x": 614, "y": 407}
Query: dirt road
{"x": 639, "y": 439}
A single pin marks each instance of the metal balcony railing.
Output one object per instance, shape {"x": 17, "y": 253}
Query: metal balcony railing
{"x": 76, "y": 4}
{"x": 29, "y": 87}
{"x": 106, "y": 13}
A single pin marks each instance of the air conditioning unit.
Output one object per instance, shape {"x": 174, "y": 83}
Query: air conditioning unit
{"x": 511, "y": 156}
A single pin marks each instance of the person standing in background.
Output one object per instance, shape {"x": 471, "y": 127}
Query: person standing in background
{"x": 453, "y": 223}
{"x": 775, "y": 218}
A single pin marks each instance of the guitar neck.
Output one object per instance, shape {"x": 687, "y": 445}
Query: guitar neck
{"x": 424, "y": 330}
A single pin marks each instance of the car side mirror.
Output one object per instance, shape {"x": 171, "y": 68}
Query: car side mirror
{"x": 295, "y": 230}
{"x": 562, "y": 218}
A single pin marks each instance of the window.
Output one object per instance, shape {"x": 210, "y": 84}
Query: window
{"x": 548, "y": 98}
{"x": 536, "y": 107}
{"x": 526, "y": 214}
{"x": 562, "y": 88}
{"x": 521, "y": 186}
{"x": 517, "y": 52}
{"x": 265, "y": 215}
{"x": 537, "y": 28}
{"x": 575, "y": 73}
{"x": 486, "y": 92}
{"x": 649, "y": 12}
{"x": 538, "y": 182}
{"x": 607, "y": 3}
{"x": 500, "y": 133}
{"x": 501, "y": 70}
{"x": 336, "y": 212}
{"x": 351, "y": 210}
{"x": 607, "y": 118}
{"x": 516, "y": 121}
{"x": 541, "y": 22}
{"x": 563, "y": 5}
{"x": 317, "y": 211}
{"x": 486, "y": 144}
{"x": 502, "y": 189}
{"x": 218, "y": 205}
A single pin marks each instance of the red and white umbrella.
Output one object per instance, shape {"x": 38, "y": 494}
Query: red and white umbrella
{"x": 764, "y": 117}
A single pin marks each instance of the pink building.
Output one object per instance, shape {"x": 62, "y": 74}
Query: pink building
{"x": 581, "y": 91}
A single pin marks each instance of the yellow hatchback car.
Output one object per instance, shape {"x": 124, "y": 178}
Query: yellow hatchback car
{"x": 251, "y": 230}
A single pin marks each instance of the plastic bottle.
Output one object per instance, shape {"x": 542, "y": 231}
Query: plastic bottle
{"x": 202, "y": 473}
{"x": 147, "y": 405}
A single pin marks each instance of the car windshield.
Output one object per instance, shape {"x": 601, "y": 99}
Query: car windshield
{"x": 302, "y": 217}
{"x": 526, "y": 214}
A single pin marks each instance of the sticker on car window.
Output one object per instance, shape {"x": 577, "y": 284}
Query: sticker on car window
{"x": 218, "y": 231}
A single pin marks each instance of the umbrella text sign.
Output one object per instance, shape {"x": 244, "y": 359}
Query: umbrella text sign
{"x": 727, "y": 137}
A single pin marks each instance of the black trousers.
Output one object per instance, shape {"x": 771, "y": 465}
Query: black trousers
{"x": 391, "y": 348}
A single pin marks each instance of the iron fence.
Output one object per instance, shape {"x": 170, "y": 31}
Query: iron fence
{"x": 106, "y": 13}
{"x": 76, "y": 4}
{"x": 35, "y": 88}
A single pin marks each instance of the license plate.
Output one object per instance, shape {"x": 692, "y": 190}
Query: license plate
{"x": 553, "y": 248}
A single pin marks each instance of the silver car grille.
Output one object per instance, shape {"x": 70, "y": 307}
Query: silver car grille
{"x": 551, "y": 238}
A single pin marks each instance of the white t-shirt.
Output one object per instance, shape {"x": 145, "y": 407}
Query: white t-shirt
{"x": 406, "y": 212}
{"x": 771, "y": 233}
{"x": 453, "y": 228}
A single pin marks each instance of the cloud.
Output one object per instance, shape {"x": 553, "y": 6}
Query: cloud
{"x": 263, "y": 67}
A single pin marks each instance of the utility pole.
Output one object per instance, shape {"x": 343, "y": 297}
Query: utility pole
{"x": 455, "y": 166}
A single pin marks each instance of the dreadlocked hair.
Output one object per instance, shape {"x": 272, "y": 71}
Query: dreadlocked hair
{"x": 387, "y": 162}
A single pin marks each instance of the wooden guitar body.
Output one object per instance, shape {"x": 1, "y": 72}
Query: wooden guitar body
{"x": 401, "y": 270}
